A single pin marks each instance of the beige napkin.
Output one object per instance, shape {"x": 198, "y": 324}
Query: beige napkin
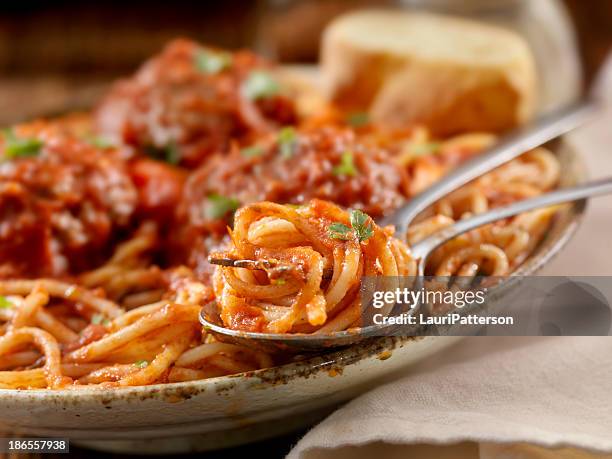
{"x": 490, "y": 391}
{"x": 491, "y": 397}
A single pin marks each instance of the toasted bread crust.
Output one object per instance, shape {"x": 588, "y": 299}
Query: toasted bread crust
{"x": 486, "y": 83}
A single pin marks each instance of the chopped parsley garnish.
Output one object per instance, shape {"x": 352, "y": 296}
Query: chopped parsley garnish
{"x": 347, "y": 166}
{"x": 279, "y": 281}
{"x": 252, "y": 151}
{"x": 339, "y": 231}
{"x": 142, "y": 364}
{"x": 287, "y": 141}
{"x": 5, "y": 303}
{"x": 360, "y": 226}
{"x": 173, "y": 155}
{"x": 170, "y": 153}
{"x": 358, "y": 119}
{"x": 360, "y": 221}
{"x": 16, "y": 147}
{"x": 219, "y": 206}
{"x": 212, "y": 62}
{"x": 99, "y": 319}
{"x": 260, "y": 85}
{"x": 100, "y": 142}
{"x": 422, "y": 149}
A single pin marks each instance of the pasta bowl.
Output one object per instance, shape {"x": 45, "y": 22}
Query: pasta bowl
{"x": 229, "y": 410}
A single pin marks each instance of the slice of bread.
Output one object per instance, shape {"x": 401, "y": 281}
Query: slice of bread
{"x": 450, "y": 74}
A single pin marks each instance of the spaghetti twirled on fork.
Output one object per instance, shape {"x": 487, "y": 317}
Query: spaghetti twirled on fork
{"x": 295, "y": 295}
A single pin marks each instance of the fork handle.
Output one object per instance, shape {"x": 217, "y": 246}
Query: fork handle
{"x": 523, "y": 139}
{"x": 595, "y": 188}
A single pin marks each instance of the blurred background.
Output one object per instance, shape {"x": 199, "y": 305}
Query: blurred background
{"x": 59, "y": 54}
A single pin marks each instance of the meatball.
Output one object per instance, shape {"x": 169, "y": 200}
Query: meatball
{"x": 61, "y": 199}
{"x": 191, "y": 101}
{"x": 291, "y": 166}
{"x": 160, "y": 186}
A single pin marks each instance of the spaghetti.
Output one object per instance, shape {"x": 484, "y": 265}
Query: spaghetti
{"x": 63, "y": 335}
{"x": 303, "y": 243}
{"x": 498, "y": 248}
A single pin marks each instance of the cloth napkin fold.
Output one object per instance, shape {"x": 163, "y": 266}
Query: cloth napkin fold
{"x": 550, "y": 391}
{"x": 497, "y": 397}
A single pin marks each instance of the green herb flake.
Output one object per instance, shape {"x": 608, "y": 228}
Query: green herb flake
{"x": 99, "y": 319}
{"x": 361, "y": 226}
{"x": 422, "y": 149}
{"x": 170, "y": 153}
{"x": 211, "y": 62}
{"x": 260, "y": 85}
{"x": 287, "y": 141}
{"x": 173, "y": 155}
{"x": 252, "y": 151}
{"x": 99, "y": 142}
{"x": 279, "y": 281}
{"x": 361, "y": 223}
{"x": 358, "y": 119}
{"x": 219, "y": 206}
{"x": 339, "y": 231}
{"x": 347, "y": 167}
{"x": 16, "y": 147}
{"x": 5, "y": 303}
{"x": 142, "y": 364}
